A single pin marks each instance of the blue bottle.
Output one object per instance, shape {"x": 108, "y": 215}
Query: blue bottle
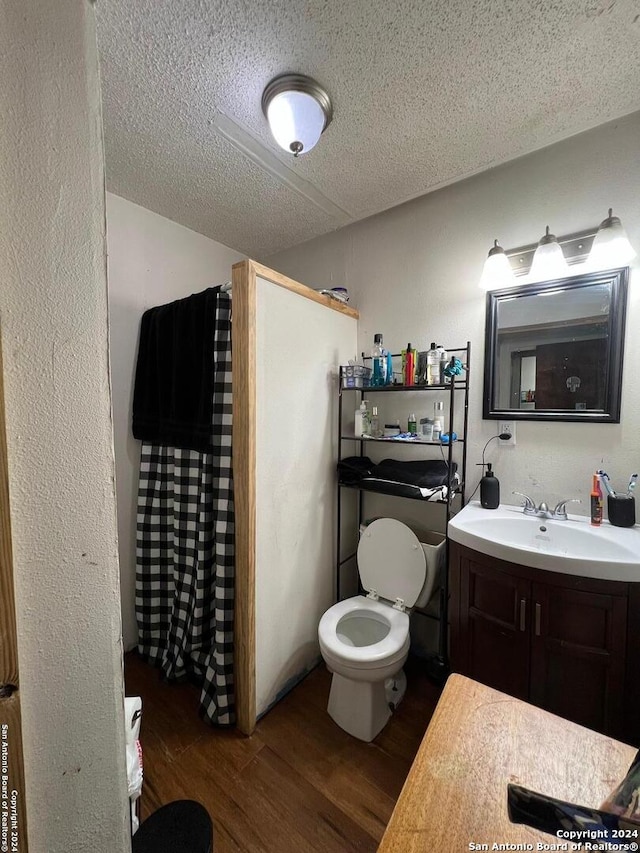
{"x": 389, "y": 377}
{"x": 378, "y": 362}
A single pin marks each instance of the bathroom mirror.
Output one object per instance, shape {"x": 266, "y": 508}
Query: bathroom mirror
{"x": 553, "y": 349}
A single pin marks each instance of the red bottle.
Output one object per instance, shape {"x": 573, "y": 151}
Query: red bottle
{"x": 596, "y": 501}
{"x": 409, "y": 366}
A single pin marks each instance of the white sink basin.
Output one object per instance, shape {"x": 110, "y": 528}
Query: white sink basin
{"x": 573, "y": 546}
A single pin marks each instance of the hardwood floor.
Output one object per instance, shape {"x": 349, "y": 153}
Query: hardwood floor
{"x": 299, "y": 783}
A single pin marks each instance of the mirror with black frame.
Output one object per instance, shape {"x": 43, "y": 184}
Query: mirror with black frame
{"x": 553, "y": 349}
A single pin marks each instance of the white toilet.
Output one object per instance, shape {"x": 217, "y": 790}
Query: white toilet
{"x": 364, "y": 640}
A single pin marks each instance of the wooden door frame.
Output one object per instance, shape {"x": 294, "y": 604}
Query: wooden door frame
{"x": 9, "y": 679}
{"x": 243, "y": 367}
{"x": 243, "y": 340}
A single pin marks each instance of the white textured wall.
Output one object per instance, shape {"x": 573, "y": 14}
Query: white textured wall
{"x": 53, "y": 308}
{"x": 151, "y": 261}
{"x": 299, "y": 345}
{"x": 413, "y": 272}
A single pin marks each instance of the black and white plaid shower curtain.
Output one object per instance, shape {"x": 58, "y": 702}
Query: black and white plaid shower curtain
{"x": 185, "y": 550}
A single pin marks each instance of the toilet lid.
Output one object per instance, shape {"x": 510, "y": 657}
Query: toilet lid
{"x": 391, "y": 561}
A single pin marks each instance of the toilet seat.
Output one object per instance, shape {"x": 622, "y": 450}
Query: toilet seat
{"x": 365, "y": 657}
{"x": 391, "y": 561}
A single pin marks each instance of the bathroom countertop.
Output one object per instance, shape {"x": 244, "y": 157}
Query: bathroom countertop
{"x": 478, "y": 740}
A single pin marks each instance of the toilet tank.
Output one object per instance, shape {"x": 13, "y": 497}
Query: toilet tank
{"x": 433, "y": 545}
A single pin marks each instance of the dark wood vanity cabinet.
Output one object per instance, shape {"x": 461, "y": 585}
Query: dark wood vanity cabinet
{"x": 489, "y": 625}
{"x": 565, "y": 643}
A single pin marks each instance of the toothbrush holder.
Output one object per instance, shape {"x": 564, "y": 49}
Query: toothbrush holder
{"x": 621, "y": 510}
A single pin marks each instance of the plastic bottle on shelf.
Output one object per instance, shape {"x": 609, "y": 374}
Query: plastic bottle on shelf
{"x": 366, "y": 418}
{"x": 409, "y": 366}
{"x": 374, "y": 423}
{"x": 389, "y": 374}
{"x": 361, "y": 420}
{"x": 414, "y": 354}
{"x": 433, "y": 365}
{"x": 412, "y": 424}
{"x": 426, "y": 429}
{"x": 444, "y": 360}
{"x": 596, "y": 501}
{"x": 378, "y": 362}
{"x": 438, "y": 416}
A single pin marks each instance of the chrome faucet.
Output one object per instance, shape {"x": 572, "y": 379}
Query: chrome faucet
{"x": 559, "y": 512}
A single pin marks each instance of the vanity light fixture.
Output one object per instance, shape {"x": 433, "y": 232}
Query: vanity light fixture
{"x": 298, "y": 110}
{"x": 592, "y": 250}
{"x": 497, "y": 272}
{"x": 611, "y": 247}
{"x": 548, "y": 261}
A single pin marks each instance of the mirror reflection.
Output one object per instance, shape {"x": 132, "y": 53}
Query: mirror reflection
{"x": 554, "y": 349}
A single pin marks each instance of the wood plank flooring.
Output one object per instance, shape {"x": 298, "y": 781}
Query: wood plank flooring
{"x": 299, "y": 783}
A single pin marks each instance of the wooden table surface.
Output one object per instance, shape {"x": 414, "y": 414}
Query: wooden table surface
{"x": 478, "y": 740}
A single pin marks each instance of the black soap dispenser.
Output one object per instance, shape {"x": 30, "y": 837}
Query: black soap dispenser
{"x": 489, "y": 490}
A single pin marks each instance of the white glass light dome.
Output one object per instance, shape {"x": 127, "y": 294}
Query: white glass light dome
{"x": 548, "y": 260}
{"x": 295, "y": 119}
{"x": 497, "y": 272}
{"x": 298, "y": 110}
{"x": 611, "y": 247}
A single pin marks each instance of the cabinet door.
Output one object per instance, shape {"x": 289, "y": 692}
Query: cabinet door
{"x": 495, "y": 630}
{"x": 578, "y": 655}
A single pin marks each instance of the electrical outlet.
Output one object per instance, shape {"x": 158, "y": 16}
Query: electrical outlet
{"x": 508, "y": 426}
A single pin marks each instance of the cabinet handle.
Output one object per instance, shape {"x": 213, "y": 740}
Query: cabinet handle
{"x": 538, "y": 616}
{"x": 523, "y": 614}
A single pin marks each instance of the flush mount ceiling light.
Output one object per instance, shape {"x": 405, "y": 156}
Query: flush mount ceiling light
{"x": 497, "y": 272}
{"x": 298, "y": 110}
{"x": 548, "y": 260}
{"x": 611, "y": 247}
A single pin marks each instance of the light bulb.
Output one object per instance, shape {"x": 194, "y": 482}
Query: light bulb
{"x": 298, "y": 109}
{"x": 497, "y": 272}
{"x": 548, "y": 261}
{"x": 611, "y": 247}
{"x": 296, "y": 121}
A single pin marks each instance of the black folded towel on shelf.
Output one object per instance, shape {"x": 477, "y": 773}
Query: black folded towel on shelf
{"x": 353, "y": 469}
{"x": 423, "y": 473}
{"x": 173, "y": 393}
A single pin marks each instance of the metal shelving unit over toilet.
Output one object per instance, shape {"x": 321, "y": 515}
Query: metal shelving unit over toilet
{"x": 456, "y": 386}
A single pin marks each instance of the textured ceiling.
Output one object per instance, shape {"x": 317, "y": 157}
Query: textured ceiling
{"x": 425, "y": 92}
